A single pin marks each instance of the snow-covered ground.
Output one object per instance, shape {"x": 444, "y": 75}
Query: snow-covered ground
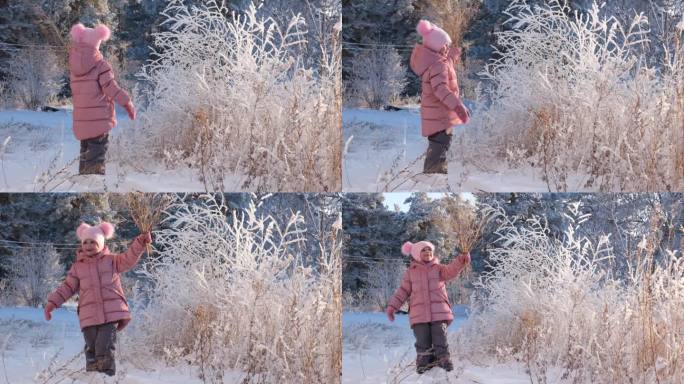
{"x": 379, "y": 351}
{"x": 386, "y": 142}
{"x": 42, "y": 156}
{"x": 33, "y": 350}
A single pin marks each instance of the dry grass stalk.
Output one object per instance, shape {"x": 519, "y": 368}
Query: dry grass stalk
{"x": 395, "y": 177}
{"x": 645, "y": 255}
{"x": 55, "y": 174}
{"x": 146, "y": 210}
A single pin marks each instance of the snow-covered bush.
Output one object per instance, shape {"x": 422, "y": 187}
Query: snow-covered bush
{"x": 563, "y": 308}
{"x": 35, "y": 271}
{"x": 573, "y": 95}
{"x": 230, "y": 291}
{"x": 381, "y": 279}
{"x": 34, "y": 77}
{"x": 4, "y": 94}
{"x": 229, "y": 96}
{"x": 378, "y": 76}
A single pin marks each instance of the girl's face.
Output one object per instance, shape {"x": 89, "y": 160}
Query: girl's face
{"x": 90, "y": 247}
{"x": 426, "y": 254}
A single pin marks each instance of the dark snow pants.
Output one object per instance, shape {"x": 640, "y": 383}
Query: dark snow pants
{"x": 436, "y": 156}
{"x": 93, "y": 155}
{"x": 431, "y": 344}
{"x": 100, "y": 343}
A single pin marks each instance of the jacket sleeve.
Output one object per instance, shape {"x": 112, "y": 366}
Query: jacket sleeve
{"x": 68, "y": 288}
{"x": 125, "y": 261}
{"x": 412, "y": 62}
{"x": 453, "y": 269}
{"x": 439, "y": 77}
{"x": 402, "y": 293}
{"x": 109, "y": 85}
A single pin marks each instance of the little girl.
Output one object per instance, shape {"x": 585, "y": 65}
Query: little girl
{"x": 430, "y": 313}
{"x": 102, "y": 306}
{"x": 94, "y": 92}
{"x": 441, "y": 107}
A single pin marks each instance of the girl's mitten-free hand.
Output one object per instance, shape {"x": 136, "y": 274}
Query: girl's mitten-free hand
{"x": 48, "y": 311}
{"x": 463, "y": 113}
{"x": 145, "y": 238}
{"x": 130, "y": 109}
{"x": 390, "y": 313}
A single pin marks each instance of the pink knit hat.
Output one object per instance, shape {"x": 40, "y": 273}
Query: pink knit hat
{"x": 414, "y": 249}
{"x": 99, "y": 232}
{"x": 90, "y": 36}
{"x": 434, "y": 37}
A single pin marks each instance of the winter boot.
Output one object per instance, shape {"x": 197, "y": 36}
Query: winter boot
{"x": 445, "y": 363}
{"x": 424, "y": 362}
{"x": 91, "y": 366}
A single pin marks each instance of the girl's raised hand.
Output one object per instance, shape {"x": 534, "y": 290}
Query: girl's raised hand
{"x": 145, "y": 238}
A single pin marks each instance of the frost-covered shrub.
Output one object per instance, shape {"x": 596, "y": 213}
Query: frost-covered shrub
{"x": 562, "y": 308}
{"x": 381, "y": 279}
{"x": 229, "y": 96}
{"x": 377, "y": 77}
{"x": 34, "y": 272}
{"x": 230, "y": 291}
{"x": 35, "y": 77}
{"x": 573, "y": 95}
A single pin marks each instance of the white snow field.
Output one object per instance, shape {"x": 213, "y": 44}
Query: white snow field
{"x": 39, "y": 153}
{"x": 386, "y": 151}
{"x": 379, "y": 351}
{"x": 33, "y": 350}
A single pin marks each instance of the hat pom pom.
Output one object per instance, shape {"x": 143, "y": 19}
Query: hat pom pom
{"x": 424, "y": 27}
{"x": 80, "y": 231}
{"x": 103, "y": 32}
{"x": 406, "y": 248}
{"x": 107, "y": 229}
{"x": 77, "y": 31}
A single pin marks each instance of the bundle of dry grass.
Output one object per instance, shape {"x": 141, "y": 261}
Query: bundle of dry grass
{"x": 453, "y": 16}
{"x": 146, "y": 210}
{"x": 462, "y": 222}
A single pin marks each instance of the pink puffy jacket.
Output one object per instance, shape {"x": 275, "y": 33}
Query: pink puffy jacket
{"x": 424, "y": 286}
{"x": 96, "y": 280}
{"x": 94, "y": 92}
{"x": 439, "y": 98}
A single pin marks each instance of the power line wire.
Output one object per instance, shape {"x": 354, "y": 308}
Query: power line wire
{"x": 354, "y": 48}
{"x": 377, "y": 44}
{"x": 45, "y": 46}
{"x": 347, "y": 43}
{"x": 59, "y": 247}
{"x": 35, "y": 242}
